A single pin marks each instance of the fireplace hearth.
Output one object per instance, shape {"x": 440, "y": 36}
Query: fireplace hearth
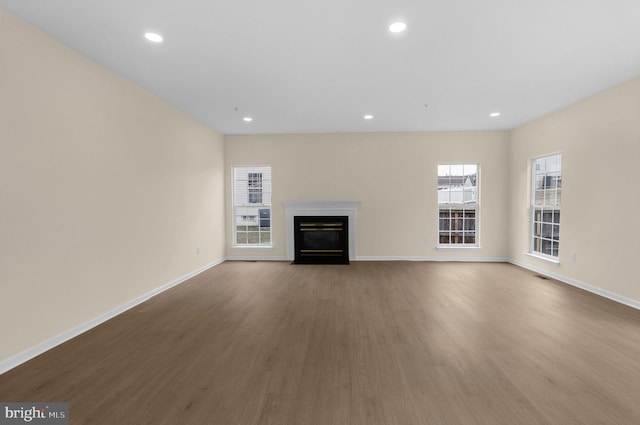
{"x": 321, "y": 239}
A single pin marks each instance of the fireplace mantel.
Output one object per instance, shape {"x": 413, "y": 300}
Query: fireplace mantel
{"x": 348, "y": 208}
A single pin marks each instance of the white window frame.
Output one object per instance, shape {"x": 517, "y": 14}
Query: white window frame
{"x": 254, "y": 234}
{"x": 544, "y": 216}
{"x": 463, "y": 205}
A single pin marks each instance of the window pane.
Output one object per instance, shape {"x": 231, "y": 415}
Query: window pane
{"x": 253, "y": 238}
{"x": 443, "y": 170}
{"x": 456, "y": 170}
{"x": 553, "y": 163}
{"x": 469, "y": 224}
{"x": 470, "y": 169}
{"x": 241, "y": 238}
{"x": 546, "y": 247}
{"x": 444, "y": 238}
{"x": 537, "y": 245}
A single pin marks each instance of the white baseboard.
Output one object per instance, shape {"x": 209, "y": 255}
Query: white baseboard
{"x": 255, "y": 258}
{"x": 375, "y": 258}
{"x": 441, "y": 259}
{"x": 36, "y": 350}
{"x": 585, "y": 286}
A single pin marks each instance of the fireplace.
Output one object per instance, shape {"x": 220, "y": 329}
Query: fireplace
{"x": 322, "y": 209}
{"x": 321, "y": 239}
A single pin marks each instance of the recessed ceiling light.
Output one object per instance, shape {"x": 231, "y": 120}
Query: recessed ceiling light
{"x": 397, "y": 27}
{"x": 247, "y": 119}
{"x": 152, "y": 36}
{"x": 368, "y": 117}
{"x": 494, "y": 114}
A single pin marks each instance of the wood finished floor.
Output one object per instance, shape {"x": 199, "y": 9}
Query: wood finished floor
{"x": 365, "y": 344}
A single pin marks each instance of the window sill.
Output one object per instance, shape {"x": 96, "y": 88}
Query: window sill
{"x": 458, "y": 247}
{"x": 549, "y": 260}
{"x": 252, "y": 246}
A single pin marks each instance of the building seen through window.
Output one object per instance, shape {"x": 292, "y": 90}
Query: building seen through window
{"x": 252, "y": 206}
{"x": 458, "y": 204}
{"x": 545, "y": 205}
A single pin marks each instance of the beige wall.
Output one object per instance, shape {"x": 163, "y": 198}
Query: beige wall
{"x": 393, "y": 175}
{"x": 600, "y": 143}
{"x": 105, "y": 190}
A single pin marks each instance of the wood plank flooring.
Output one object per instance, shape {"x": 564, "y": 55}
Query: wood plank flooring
{"x": 370, "y": 343}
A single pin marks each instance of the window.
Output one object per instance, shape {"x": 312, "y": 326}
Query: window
{"x": 458, "y": 204}
{"x": 545, "y": 205}
{"x": 252, "y": 206}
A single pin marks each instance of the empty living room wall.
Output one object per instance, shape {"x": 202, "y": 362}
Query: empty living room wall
{"x": 394, "y": 176}
{"x": 599, "y": 138}
{"x": 106, "y": 190}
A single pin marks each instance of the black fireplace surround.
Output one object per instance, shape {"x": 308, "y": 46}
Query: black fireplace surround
{"x": 321, "y": 239}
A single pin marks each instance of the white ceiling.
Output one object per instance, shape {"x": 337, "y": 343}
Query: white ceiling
{"x": 299, "y": 66}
